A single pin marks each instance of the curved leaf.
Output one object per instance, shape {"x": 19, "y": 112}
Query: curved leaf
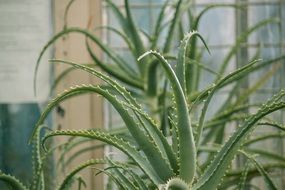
{"x": 230, "y": 77}
{"x": 116, "y": 142}
{"x": 67, "y": 180}
{"x": 12, "y": 181}
{"x": 174, "y": 22}
{"x": 182, "y": 57}
{"x": 65, "y": 14}
{"x": 154, "y": 155}
{"x": 187, "y": 149}
{"x": 216, "y": 170}
{"x": 269, "y": 183}
{"x": 150, "y": 126}
{"x": 114, "y": 70}
{"x": 240, "y": 40}
{"x": 210, "y": 7}
{"x": 116, "y": 58}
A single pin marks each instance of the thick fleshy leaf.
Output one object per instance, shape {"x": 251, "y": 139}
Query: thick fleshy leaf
{"x": 152, "y": 152}
{"x": 116, "y": 142}
{"x": 216, "y": 170}
{"x": 187, "y": 149}
{"x": 182, "y": 57}
{"x": 12, "y": 181}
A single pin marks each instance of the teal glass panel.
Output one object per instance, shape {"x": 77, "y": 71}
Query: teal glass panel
{"x": 16, "y": 124}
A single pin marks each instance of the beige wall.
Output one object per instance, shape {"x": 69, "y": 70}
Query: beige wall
{"x": 85, "y": 111}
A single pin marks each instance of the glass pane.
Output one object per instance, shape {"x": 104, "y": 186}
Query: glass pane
{"x": 214, "y": 62}
{"x": 269, "y": 33}
{"x": 217, "y": 26}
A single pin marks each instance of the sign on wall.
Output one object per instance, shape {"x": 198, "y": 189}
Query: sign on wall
{"x": 25, "y": 26}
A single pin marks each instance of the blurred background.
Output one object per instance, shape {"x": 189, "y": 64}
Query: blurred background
{"x": 26, "y": 26}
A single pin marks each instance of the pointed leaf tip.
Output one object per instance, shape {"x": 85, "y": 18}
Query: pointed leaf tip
{"x": 145, "y": 54}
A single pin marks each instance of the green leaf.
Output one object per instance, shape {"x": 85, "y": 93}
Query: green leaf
{"x": 269, "y": 183}
{"x": 194, "y": 72}
{"x": 113, "y": 140}
{"x": 201, "y": 65}
{"x": 38, "y": 181}
{"x": 65, "y": 14}
{"x": 264, "y": 137}
{"x": 254, "y": 172}
{"x": 216, "y": 170}
{"x": 210, "y": 7}
{"x": 176, "y": 184}
{"x": 113, "y": 84}
{"x": 68, "y": 179}
{"x": 174, "y": 22}
{"x": 121, "y": 176}
{"x": 266, "y": 154}
{"x": 130, "y": 29}
{"x": 242, "y": 38}
{"x": 116, "y": 58}
{"x": 115, "y": 71}
{"x": 187, "y": 149}
{"x": 150, "y": 126}
{"x": 12, "y": 181}
{"x": 157, "y": 137}
{"x": 62, "y": 75}
{"x": 153, "y": 153}
{"x": 158, "y": 25}
{"x": 182, "y": 57}
{"x": 231, "y": 77}
{"x": 273, "y": 124}
{"x": 81, "y": 151}
{"x": 122, "y": 35}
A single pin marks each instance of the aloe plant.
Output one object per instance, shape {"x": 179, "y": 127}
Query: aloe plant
{"x": 169, "y": 141}
{"x": 164, "y": 164}
{"x": 188, "y": 71}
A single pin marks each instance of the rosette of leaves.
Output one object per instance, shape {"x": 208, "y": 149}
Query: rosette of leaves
{"x": 173, "y": 161}
{"x": 166, "y": 152}
{"x": 158, "y": 162}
